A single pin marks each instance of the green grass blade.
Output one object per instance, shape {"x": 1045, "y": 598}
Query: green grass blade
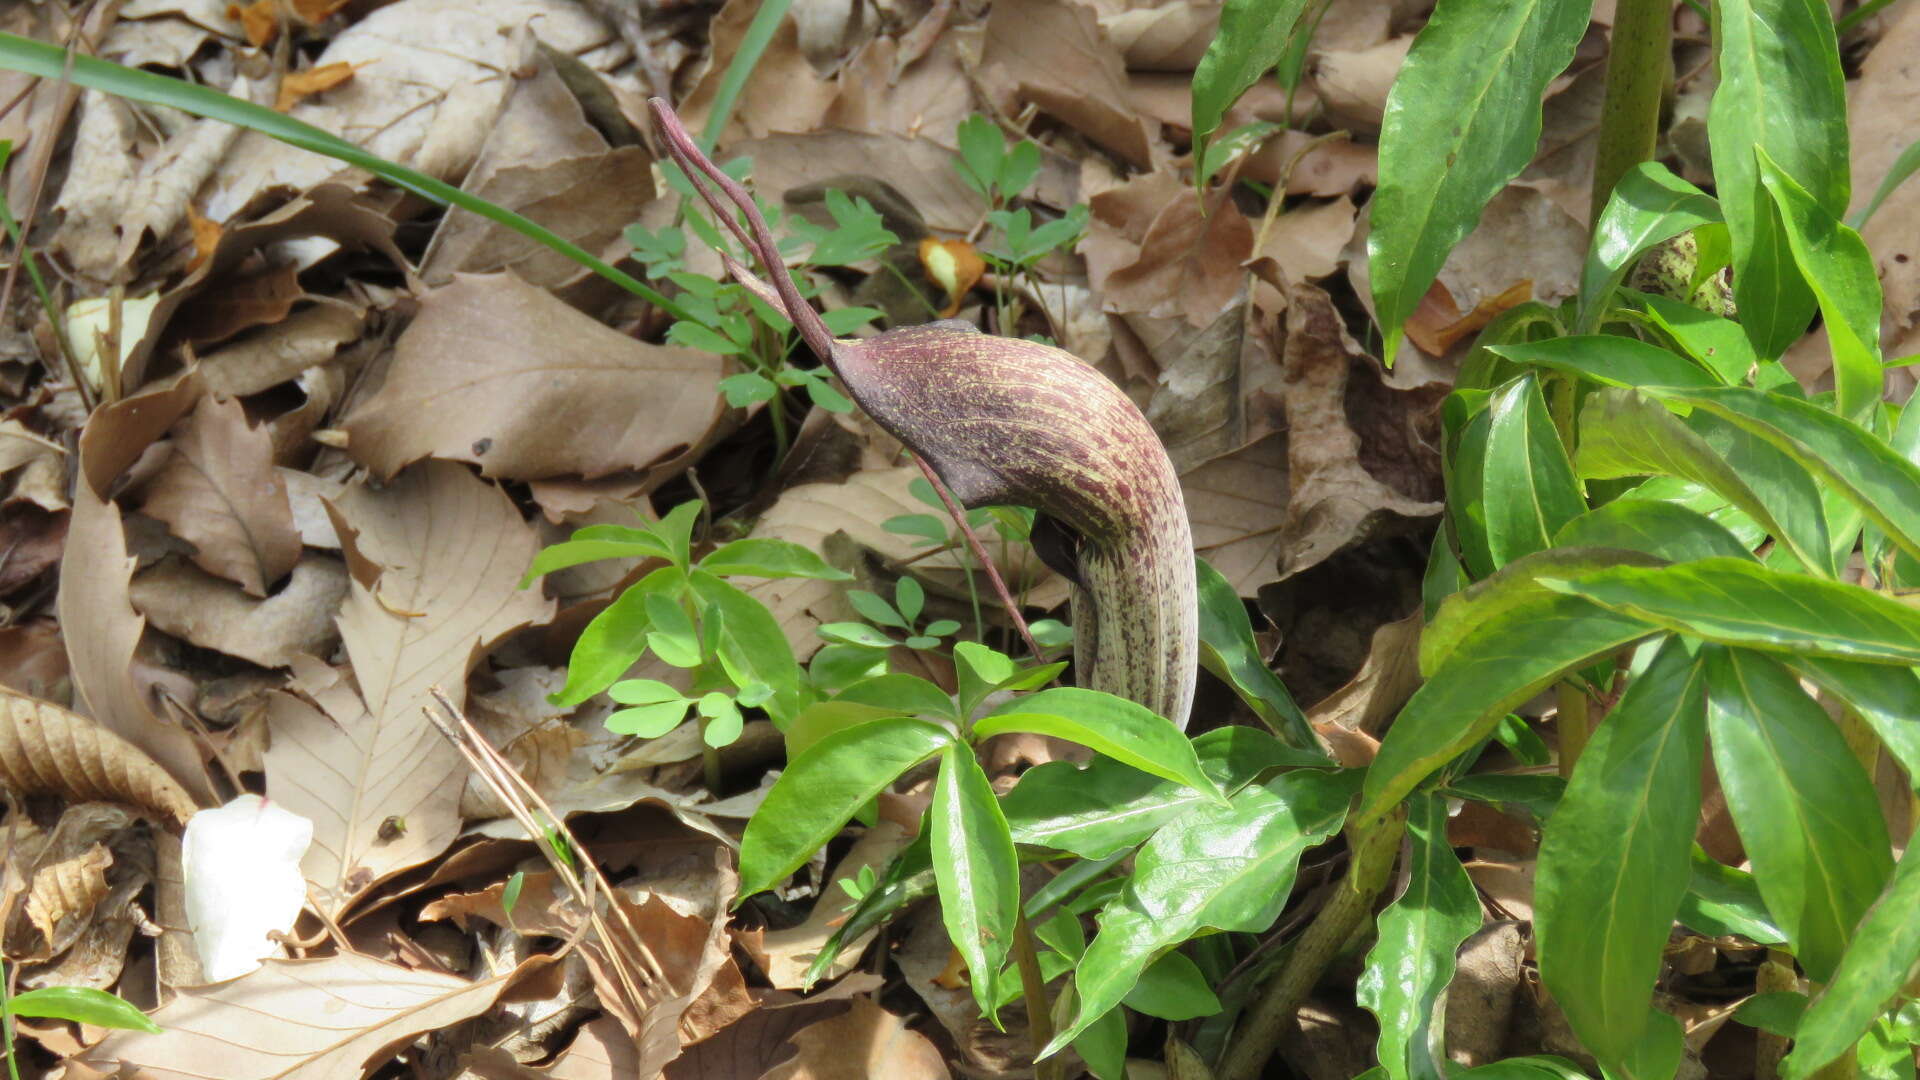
{"x": 51, "y": 62}
{"x": 753, "y": 45}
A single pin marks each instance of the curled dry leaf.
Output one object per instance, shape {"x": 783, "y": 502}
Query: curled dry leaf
{"x": 64, "y": 894}
{"x": 220, "y": 492}
{"x": 45, "y": 749}
{"x": 215, "y": 614}
{"x": 436, "y": 559}
{"x": 333, "y": 1018}
{"x": 504, "y": 375}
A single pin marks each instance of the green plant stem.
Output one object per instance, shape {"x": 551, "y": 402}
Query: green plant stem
{"x": 1576, "y": 725}
{"x": 1639, "y": 68}
{"x": 1033, "y": 987}
{"x": 1375, "y": 849}
{"x": 1859, "y": 15}
{"x": 6, "y": 1020}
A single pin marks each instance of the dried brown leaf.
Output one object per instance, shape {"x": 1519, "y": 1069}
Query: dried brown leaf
{"x": 1879, "y": 104}
{"x": 45, "y": 749}
{"x": 501, "y": 374}
{"x": 786, "y": 954}
{"x": 67, "y": 890}
{"x": 866, "y": 1041}
{"x": 296, "y": 86}
{"x": 220, "y": 492}
{"x": 1056, "y": 55}
{"x": 331, "y": 1018}
{"x": 920, "y": 169}
{"x": 783, "y": 93}
{"x": 307, "y": 338}
{"x": 436, "y": 558}
{"x": 1238, "y": 505}
{"x": 926, "y": 98}
{"x": 215, "y": 614}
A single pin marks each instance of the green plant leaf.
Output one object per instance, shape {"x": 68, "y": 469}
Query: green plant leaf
{"x": 81, "y": 1004}
{"x": 1526, "y": 489}
{"x": 1778, "y": 1013}
{"x": 1172, "y": 988}
{"x": 1123, "y": 730}
{"x": 752, "y": 648}
{"x": 724, "y": 721}
{"x": 1518, "y": 585}
{"x": 768, "y": 558}
{"x": 1874, "y": 476}
{"x": 1806, "y": 810}
{"x": 1725, "y": 902}
{"x": 648, "y": 721}
{"x": 909, "y": 694}
{"x": 1532, "y": 1067}
{"x": 1780, "y": 90}
{"x": 1610, "y": 360}
{"x": 1462, "y": 120}
{"x": 671, "y": 633}
{"x": 1221, "y": 867}
{"x": 976, "y": 868}
{"x": 1613, "y": 860}
{"x": 1251, "y": 39}
{"x": 1717, "y": 344}
{"x": 1227, "y": 649}
{"x": 1504, "y": 660}
{"x": 1649, "y": 206}
{"x": 1869, "y": 975}
{"x": 982, "y": 148}
{"x": 1411, "y": 964}
{"x": 616, "y": 638}
{"x": 1663, "y": 529}
{"x": 1839, "y": 268}
{"x": 576, "y": 551}
{"x": 1739, "y": 602}
{"x": 1623, "y": 433}
{"x": 1886, "y": 697}
{"x": 821, "y": 790}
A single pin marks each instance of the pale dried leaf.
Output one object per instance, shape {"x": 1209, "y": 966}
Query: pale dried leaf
{"x": 219, "y": 492}
{"x": 919, "y": 169}
{"x": 306, "y": 338}
{"x": 1886, "y": 94}
{"x": 501, "y": 374}
{"x": 1307, "y": 242}
{"x": 1384, "y": 683}
{"x": 867, "y": 1041}
{"x": 19, "y": 446}
{"x": 45, "y": 749}
{"x": 67, "y": 891}
{"x": 1238, "y": 506}
{"x": 328, "y": 1018}
{"x": 1057, "y": 56}
{"x": 1353, "y": 84}
{"x": 783, "y": 93}
{"x": 436, "y": 557}
{"x": 215, "y": 614}
{"x": 927, "y": 98}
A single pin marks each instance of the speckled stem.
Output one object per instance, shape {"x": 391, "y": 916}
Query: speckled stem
{"x": 1005, "y": 421}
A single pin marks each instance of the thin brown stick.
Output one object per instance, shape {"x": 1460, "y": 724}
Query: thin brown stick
{"x": 979, "y": 552}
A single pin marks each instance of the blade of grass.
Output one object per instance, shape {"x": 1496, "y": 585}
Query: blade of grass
{"x": 753, "y": 45}
{"x": 51, "y": 62}
{"x": 32, "y": 265}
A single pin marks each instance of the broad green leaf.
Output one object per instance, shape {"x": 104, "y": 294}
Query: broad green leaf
{"x": 982, "y": 148}
{"x": 979, "y": 671}
{"x": 84, "y": 1005}
{"x": 1663, "y": 529}
{"x": 1611, "y": 360}
{"x": 1623, "y": 433}
{"x": 823, "y": 718}
{"x": 1839, "y": 268}
{"x": 909, "y": 695}
{"x": 1462, "y": 120}
{"x": 1502, "y": 662}
{"x": 1227, "y": 649}
{"x": 1886, "y": 948}
{"x": 574, "y": 552}
{"x": 1172, "y": 988}
{"x": 753, "y": 648}
{"x": 1806, "y": 810}
{"x": 821, "y": 789}
{"x": 1103, "y": 1046}
{"x": 1739, "y": 602}
{"x": 1517, "y": 586}
{"x": 1777, "y": 1012}
{"x": 1780, "y": 90}
{"x": 1122, "y": 730}
{"x": 675, "y": 527}
{"x": 616, "y": 638}
{"x": 1722, "y": 901}
{"x": 1717, "y": 343}
{"x": 1533, "y": 1067}
{"x": 1412, "y": 962}
{"x": 1703, "y": 501}
{"x": 875, "y": 609}
{"x": 976, "y": 868}
{"x": 671, "y": 634}
{"x": 1527, "y": 489}
{"x": 768, "y": 558}
{"x": 1614, "y": 857}
{"x": 724, "y": 721}
{"x": 1464, "y": 467}
{"x": 1886, "y": 697}
{"x": 1650, "y": 205}
{"x": 1874, "y": 476}
{"x": 1250, "y": 41}
{"x": 1219, "y": 867}
{"x": 1533, "y": 794}
{"x": 1105, "y": 807}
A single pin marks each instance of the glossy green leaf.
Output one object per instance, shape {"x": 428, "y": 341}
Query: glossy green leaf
{"x": 1502, "y": 662}
{"x": 822, "y": 788}
{"x": 1120, "y": 729}
{"x": 1806, "y": 810}
{"x": 1103, "y": 1046}
{"x": 768, "y": 558}
{"x": 81, "y": 1004}
{"x": 1462, "y": 120}
{"x": 1667, "y": 530}
{"x": 577, "y": 551}
{"x": 1518, "y": 586}
{"x": 615, "y": 639}
{"x": 1739, "y": 602}
{"x": 1412, "y": 961}
{"x": 671, "y": 634}
{"x": 1464, "y": 467}
{"x": 907, "y": 880}
{"x": 1611, "y": 360}
{"x": 1650, "y": 205}
{"x": 1527, "y": 489}
{"x": 910, "y": 695}
{"x": 1220, "y": 867}
{"x": 1887, "y": 946}
{"x": 976, "y": 868}
{"x": 1228, "y": 649}
{"x": 1251, "y": 39}
{"x": 1777, "y": 1012}
{"x": 1780, "y": 90}
{"x": 1623, "y": 433}
{"x": 1887, "y": 697}
{"x": 1723, "y": 902}
{"x": 1534, "y": 795}
{"x": 1613, "y": 859}
{"x": 1717, "y": 343}
{"x": 1840, "y": 270}
{"x": 1172, "y": 988}
{"x": 753, "y": 648}
{"x": 1874, "y": 476}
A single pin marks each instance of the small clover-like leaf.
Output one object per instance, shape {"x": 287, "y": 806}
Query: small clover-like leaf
{"x": 648, "y": 721}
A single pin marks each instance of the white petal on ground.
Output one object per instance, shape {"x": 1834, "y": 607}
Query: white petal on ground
{"x": 242, "y": 865}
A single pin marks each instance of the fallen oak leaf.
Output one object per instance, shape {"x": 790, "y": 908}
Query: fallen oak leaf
{"x": 220, "y": 492}
{"x": 44, "y": 749}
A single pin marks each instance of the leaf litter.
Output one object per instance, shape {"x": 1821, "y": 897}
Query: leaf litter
{"x": 301, "y": 490}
